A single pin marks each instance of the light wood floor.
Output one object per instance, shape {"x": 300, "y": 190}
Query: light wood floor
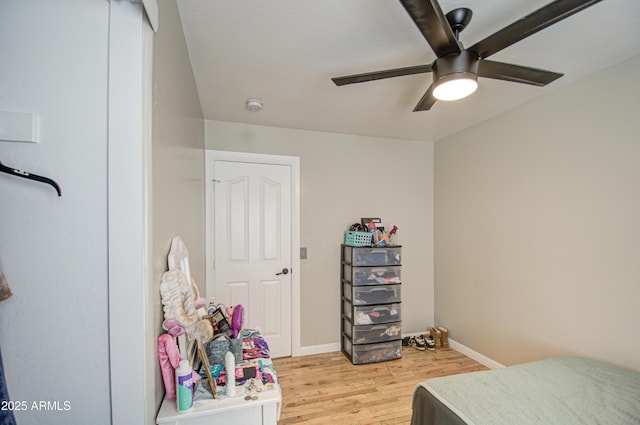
{"x": 328, "y": 389}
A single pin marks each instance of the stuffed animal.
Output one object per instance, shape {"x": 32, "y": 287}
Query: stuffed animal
{"x": 179, "y": 303}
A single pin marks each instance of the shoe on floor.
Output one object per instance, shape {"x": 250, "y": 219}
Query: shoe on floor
{"x": 430, "y": 344}
{"x": 418, "y": 342}
{"x": 437, "y": 336}
{"x": 444, "y": 336}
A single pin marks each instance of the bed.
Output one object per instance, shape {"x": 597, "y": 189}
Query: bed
{"x": 560, "y": 390}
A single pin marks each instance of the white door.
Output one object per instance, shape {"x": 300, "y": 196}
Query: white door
{"x": 250, "y": 216}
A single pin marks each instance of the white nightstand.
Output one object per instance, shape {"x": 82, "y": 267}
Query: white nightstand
{"x": 228, "y": 411}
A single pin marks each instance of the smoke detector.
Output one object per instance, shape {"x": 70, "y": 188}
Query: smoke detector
{"x": 253, "y": 105}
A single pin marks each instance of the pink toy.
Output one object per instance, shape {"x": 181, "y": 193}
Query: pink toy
{"x": 237, "y": 319}
{"x": 173, "y": 327}
{"x": 169, "y": 356}
{"x": 392, "y": 233}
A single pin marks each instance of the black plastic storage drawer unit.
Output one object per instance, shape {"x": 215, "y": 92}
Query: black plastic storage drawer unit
{"x": 371, "y": 303}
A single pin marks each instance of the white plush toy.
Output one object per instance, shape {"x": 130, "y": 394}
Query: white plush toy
{"x": 179, "y": 303}
{"x": 180, "y": 297}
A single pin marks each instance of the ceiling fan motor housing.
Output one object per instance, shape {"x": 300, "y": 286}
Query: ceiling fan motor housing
{"x": 455, "y": 65}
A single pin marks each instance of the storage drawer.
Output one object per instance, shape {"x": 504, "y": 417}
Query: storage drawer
{"x": 366, "y": 256}
{"x": 372, "y": 353}
{"x": 371, "y": 275}
{"x": 366, "y": 295}
{"x": 371, "y": 314}
{"x": 366, "y": 334}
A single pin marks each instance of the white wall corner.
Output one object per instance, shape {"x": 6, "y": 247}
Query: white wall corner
{"x": 151, "y": 9}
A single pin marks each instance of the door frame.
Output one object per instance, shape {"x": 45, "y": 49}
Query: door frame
{"x": 293, "y": 162}
{"x": 132, "y": 334}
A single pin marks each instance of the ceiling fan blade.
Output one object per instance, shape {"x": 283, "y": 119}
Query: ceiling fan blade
{"x": 427, "y": 100}
{"x": 530, "y": 24}
{"x": 379, "y": 75}
{"x": 433, "y": 25}
{"x": 516, "y": 73}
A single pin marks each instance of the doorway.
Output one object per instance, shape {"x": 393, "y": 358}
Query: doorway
{"x": 252, "y": 243}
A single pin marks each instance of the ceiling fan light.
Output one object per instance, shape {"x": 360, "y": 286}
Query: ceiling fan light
{"x": 455, "y": 86}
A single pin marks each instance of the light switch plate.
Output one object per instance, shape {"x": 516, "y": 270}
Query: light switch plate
{"x": 303, "y": 253}
{"x": 18, "y": 127}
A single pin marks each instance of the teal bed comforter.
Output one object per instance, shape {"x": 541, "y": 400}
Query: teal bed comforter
{"x": 562, "y": 391}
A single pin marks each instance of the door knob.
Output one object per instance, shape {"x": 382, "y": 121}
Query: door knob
{"x": 284, "y": 271}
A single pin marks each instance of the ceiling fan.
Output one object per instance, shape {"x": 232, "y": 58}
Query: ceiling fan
{"x": 456, "y": 69}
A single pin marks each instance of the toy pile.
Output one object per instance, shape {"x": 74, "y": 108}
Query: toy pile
{"x": 201, "y": 336}
{"x": 375, "y": 232}
{"x": 247, "y": 347}
{"x": 244, "y": 344}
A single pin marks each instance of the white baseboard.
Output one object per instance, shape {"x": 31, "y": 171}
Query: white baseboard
{"x": 413, "y": 334}
{"x": 472, "y": 354}
{"x": 480, "y": 358}
{"x": 335, "y": 346}
{"x": 317, "y": 349}
{"x": 329, "y": 348}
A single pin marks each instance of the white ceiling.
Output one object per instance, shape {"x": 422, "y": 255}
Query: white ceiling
{"x": 285, "y": 52}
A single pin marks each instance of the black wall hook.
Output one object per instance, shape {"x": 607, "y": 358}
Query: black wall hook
{"x": 26, "y": 175}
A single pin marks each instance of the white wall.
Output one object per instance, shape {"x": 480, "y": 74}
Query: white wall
{"x": 537, "y": 230}
{"x": 178, "y": 168}
{"x": 53, "y": 331}
{"x": 343, "y": 178}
